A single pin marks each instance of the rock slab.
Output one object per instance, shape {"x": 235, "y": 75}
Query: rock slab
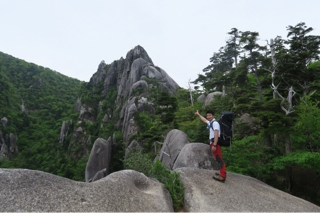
{"x": 23, "y": 190}
{"x": 239, "y": 193}
{"x": 196, "y": 155}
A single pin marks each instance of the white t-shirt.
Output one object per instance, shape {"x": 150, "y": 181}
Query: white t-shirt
{"x": 215, "y": 126}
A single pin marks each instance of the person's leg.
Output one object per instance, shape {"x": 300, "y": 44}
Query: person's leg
{"x": 218, "y": 155}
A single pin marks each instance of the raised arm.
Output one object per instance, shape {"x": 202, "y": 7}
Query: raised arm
{"x": 201, "y": 117}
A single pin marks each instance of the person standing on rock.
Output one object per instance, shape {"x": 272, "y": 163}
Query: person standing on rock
{"x": 214, "y": 134}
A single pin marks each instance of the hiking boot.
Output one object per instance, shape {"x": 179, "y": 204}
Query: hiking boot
{"x": 219, "y": 178}
{"x": 217, "y": 173}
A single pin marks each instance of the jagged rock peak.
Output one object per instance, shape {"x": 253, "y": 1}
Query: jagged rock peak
{"x": 103, "y": 68}
{"x": 138, "y": 52}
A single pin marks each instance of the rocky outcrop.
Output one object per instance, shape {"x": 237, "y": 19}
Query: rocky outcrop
{"x": 99, "y": 160}
{"x": 131, "y": 79}
{"x": 12, "y": 140}
{"x": 8, "y": 145}
{"x": 238, "y": 194}
{"x": 86, "y": 114}
{"x": 172, "y": 146}
{"x": 38, "y": 83}
{"x": 129, "y": 127}
{"x": 23, "y": 107}
{"x": 3, "y": 147}
{"x": 124, "y": 191}
{"x": 77, "y": 105}
{"x": 246, "y": 118}
{"x": 210, "y": 97}
{"x": 201, "y": 98}
{"x": 65, "y": 128}
{"x": 196, "y": 155}
{"x": 4, "y": 121}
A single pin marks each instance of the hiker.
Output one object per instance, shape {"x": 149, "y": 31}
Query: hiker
{"x": 214, "y": 146}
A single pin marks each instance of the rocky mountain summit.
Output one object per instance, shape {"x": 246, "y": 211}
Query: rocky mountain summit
{"x": 130, "y": 82}
{"x": 131, "y": 79}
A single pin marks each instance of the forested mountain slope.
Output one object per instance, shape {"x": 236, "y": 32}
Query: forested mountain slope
{"x": 34, "y": 100}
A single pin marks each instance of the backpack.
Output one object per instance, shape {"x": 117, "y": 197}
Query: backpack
{"x": 226, "y": 129}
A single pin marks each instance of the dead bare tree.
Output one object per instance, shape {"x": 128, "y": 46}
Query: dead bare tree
{"x": 286, "y": 103}
{"x": 190, "y": 90}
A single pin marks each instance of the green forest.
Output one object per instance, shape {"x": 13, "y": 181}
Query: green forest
{"x": 275, "y": 83}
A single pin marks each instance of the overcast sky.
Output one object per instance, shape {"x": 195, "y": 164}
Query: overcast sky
{"x": 73, "y": 36}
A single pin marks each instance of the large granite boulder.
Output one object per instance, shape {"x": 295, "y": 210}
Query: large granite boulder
{"x": 202, "y": 98}
{"x": 197, "y": 155}
{"x": 172, "y": 146}
{"x": 210, "y": 97}
{"x": 129, "y": 127}
{"x": 99, "y": 159}
{"x": 23, "y": 190}
{"x": 138, "y": 85}
{"x": 136, "y": 70}
{"x": 238, "y": 194}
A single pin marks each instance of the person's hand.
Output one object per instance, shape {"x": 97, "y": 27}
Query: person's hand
{"x": 197, "y": 113}
{"x": 213, "y": 149}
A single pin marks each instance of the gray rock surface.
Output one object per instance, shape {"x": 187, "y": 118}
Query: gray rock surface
{"x": 172, "y": 146}
{"x": 23, "y": 107}
{"x": 202, "y": 98}
{"x": 139, "y": 84}
{"x": 3, "y": 150}
{"x": 77, "y": 105}
{"x": 100, "y": 74}
{"x": 239, "y": 193}
{"x": 99, "y": 158}
{"x": 151, "y": 72}
{"x": 24, "y": 190}
{"x": 136, "y": 70}
{"x": 86, "y": 113}
{"x": 129, "y": 127}
{"x": 8, "y": 145}
{"x": 248, "y": 119}
{"x": 64, "y": 130}
{"x": 79, "y": 131}
{"x": 100, "y": 174}
{"x": 210, "y": 97}
{"x": 13, "y": 143}
{"x": 4, "y": 121}
{"x": 130, "y": 77}
{"x": 105, "y": 118}
{"x": 197, "y": 155}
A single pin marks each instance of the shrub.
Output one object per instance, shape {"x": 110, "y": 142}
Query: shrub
{"x": 171, "y": 182}
{"x": 138, "y": 161}
{"x": 142, "y": 162}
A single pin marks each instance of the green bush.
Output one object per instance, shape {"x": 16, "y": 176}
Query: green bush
{"x": 171, "y": 182}
{"x": 138, "y": 161}
{"x": 142, "y": 162}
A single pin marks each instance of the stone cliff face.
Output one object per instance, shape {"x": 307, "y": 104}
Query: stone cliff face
{"x": 8, "y": 142}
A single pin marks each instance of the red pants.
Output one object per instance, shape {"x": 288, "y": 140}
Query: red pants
{"x": 218, "y": 156}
